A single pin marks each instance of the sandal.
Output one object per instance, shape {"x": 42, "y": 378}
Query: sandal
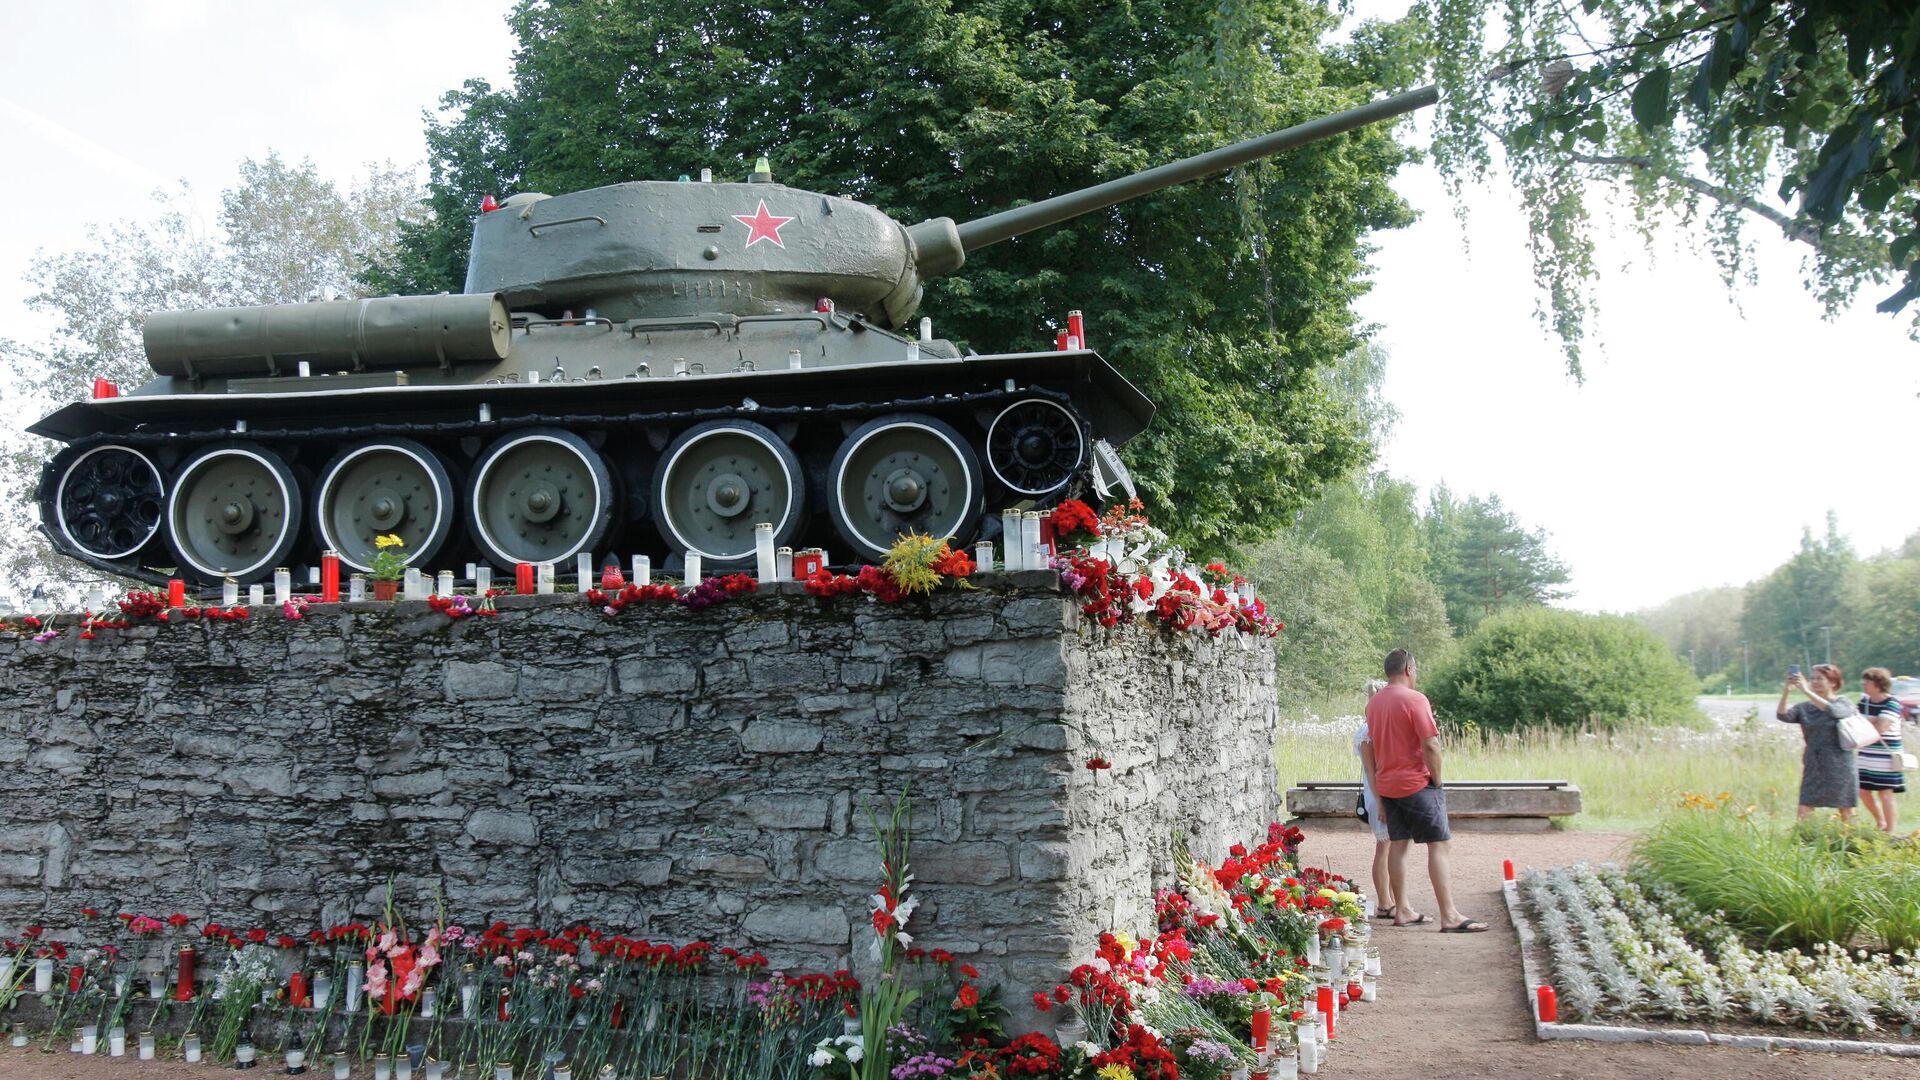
{"x": 1470, "y": 926}
{"x": 1417, "y": 920}
{"x": 1387, "y": 914}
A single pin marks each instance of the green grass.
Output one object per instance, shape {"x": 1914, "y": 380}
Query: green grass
{"x": 1627, "y": 780}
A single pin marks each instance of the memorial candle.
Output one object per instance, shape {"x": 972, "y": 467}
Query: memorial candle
{"x": 523, "y": 578}
{"x": 583, "y": 571}
{"x": 693, "y": 568}
{"x": 642, "y": 570}
{"x": 256, "y": 595}
{"x": 229, "y": 593}
{"x": 1549, "y": 1005}
{"x": 190, "y": 1047}
{"x": 783, "y": 564}
{"x": 183, "y": 986}
{"x": 329, "y": 577}
{"x": 1262, "y": 1027}
{"x": 543, "y": 576}
{"x": 176, "y": 593}
{"x": 443, "y": 584}
{"x": 482, "y": 580}
{"x": 763, "y": 563}
{"x": 983, "y": 556}
{"x": 282, "y": 585}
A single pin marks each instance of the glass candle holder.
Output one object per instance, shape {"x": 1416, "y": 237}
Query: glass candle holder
{"x": 77, "y": 1046}
{"x": 1030, "y": 538}
{"x": 117, "y": 1042}
{"x": 1283, "y": 1064}
{"x": 282, "y": 585}
{"x": 19, "y": 1034}
{"x": 443, "y": 583}
{"x": 296, "y": 1061}
{"x": 482, "y": 580}
{"x": 243, "y": 1056}
{"x": 156, "y": 985}
{"x": 1373, "y": 960}
{"x": 149, "y": 1046}
{"x": 414, "y": 584}
{"x": 783, "y": 563}
{"x": 983, "y": 556}
{"x": 1010, "y": 538}
{"x": 356, "y": 983}
{"x": 1369, "y": 988}
{"x": 342, "y": 1065}
{"x": 642, "y": 570}
{"x": 190, "y": 1047}
{"x": 429, "y": 1003}
{"x": 382, "y": 1067}
{"x": 322, "y": 990}
{"x": 583, "y": 571}
{"x": 402, "y": 1067}
{"x": 229, "y": 593}
{"x": 694, "y": 568}
{"x": 256, "y": 595}
{"x": 562, "y": 1071}
{"x": 544, "y": 578}
{"x": 436, "y": 1070}
{"x": 503, "y": 1070}
{"x": 356, "y": 588}
{"x": 1307, "y": 1049}
{"x": 43, "y": 975}
{"x": 90, "y": 1038}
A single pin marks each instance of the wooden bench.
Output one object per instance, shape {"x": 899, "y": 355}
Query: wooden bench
{"x": 1492, "y": 805}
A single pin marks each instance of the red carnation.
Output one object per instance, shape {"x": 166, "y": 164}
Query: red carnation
{"x": 967, "y": 998}
{"x": 1095, "y": 764}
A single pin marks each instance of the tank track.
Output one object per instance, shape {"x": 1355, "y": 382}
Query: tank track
{"x": 816, "y": 433}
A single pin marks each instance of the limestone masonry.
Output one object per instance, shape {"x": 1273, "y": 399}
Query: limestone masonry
{"x": 675, "y": 774}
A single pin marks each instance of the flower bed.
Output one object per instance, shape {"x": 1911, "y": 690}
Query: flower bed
{"x": 1235, "y": 966}
{"x": 1623, "y": 947}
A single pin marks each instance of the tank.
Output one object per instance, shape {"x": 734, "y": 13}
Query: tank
{"x": 649, "y": 367}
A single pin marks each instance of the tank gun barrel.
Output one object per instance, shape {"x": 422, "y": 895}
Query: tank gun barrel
{"x": 994, "y": 228}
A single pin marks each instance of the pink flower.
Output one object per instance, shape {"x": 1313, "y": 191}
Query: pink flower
{"x": 376, "y": 978}
{"x": 412, "y": 985}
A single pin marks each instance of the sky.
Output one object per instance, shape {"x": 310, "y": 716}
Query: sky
{"x": 1711, "y": 429}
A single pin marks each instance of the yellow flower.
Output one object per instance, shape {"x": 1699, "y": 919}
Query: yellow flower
{"x": 1115, "y": 1072}
{"x": 1126, "y": 941}
{"x": 388, "y": 541}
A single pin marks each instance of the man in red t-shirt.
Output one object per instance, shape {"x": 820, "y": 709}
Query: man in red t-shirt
{"x": 1406, "y": 777}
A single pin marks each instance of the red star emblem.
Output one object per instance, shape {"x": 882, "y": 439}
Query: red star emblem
{"x": 762, "y": 225}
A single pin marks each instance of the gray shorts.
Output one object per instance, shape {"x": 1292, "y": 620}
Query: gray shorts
{"x": 1420, "y": 817}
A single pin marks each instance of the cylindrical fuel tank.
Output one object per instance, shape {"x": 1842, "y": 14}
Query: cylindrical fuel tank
{"x": 383, "y": 332}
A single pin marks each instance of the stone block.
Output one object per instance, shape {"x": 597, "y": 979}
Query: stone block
{"x": 503, "y": 827}
{"x": 646, "y": 675}
{"x": 486, "y": 680}
{"x": 812, "y": 924}
{"x": 781, "y": 737}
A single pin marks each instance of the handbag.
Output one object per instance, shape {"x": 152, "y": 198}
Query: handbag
{"x": 1360, "y": 806}
{"x": 1856, "y": 731}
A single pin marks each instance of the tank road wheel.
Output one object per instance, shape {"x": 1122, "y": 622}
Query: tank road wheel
{"x": 903, "y": 472}
{"x": 234, "y": 512}
{"x": 539, "y": 495}
{"x": 718, "y": 480}
{"x": 108, "y": 501}
{"x": 394, "y": 487}
{"x": 1035, "y": 446}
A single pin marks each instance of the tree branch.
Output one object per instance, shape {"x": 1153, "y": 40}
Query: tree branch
{"x": 1793, "y": 230}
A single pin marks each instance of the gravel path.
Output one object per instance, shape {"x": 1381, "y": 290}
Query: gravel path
{"x": 1453, "y": 1005}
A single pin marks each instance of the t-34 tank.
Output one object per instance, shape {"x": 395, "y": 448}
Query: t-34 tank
{"x": 650, "y": 367}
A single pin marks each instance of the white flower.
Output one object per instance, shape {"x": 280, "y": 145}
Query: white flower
{"x": 821, "y": 1057}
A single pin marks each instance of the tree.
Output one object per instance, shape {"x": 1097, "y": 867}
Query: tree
{"x": 1803, "y": 116}
{"x": 1703, "y": 626}
{"x": 1326, "y": 651}
{"x": 1542, "y": 666}
{"x": 1224, "y": 300}
{"x": 1786, "y": 610}
{"x": 1883, "y": 615}
{"x": 1484, "y": 560}
{"x": 284, "y": 234}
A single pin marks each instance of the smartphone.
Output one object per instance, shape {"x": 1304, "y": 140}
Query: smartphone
{"x": 1793, "y": 670}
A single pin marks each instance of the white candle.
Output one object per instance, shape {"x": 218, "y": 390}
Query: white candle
{"x": 229, "y": 593}
{"x": 43, "y": 975}
{"x": 402, "y": 1066}
{"x": 763, "y": 551}
{"x": 156, "y": 985}
{"x": 90, "y": 1039}
{"x": 693, "y": 568}
{"x": 545, "y": 579}
{"x": 296, "y": 1061}
{"x": 282, "y": 585}
{"x": 642, "y": 570}
{"x": 482, "y": 579}
{"x": 469, "y": 998}
{"x": 1038, "y": 558}
{"x": 473, "y": 572}
{"x": 256, "y": 595}
{"x": 1010, "y": 538}
{"x": 313, "y": 575}
{"x": 429, "y": 1003}
{"x": 443, "y": 583}
{"x": 415, "y": 584}
{"x": 503, "y": 1070}
{"x": 382, "y": 1067}
{"x": 783, "y": 564}
{"x": 436, "y": 1070}
{"x": 342, "y": 1067}
{"x": 1284, "y": 1066}
{"x": 147, "y": 1046}
{"x": 356, "y": 588}
{"x": 1309, "y": 1062}
{"x": 1373, "y": 960}
{"x": 1030, "y": 537}
{"x": 1313, "y": 949}
{"x": 322, "y": 990}
{"x": 1369, "y": 988}
{"x": 19, "y": 1035}
{"x": 117, "y": 1042}
{"x": 190, "y": 1047}
{"x": 243, "y": 1054}
{"x": 583, "y": 571}
{"x": 983, "y": 555}
{"x": 356, "y": 977}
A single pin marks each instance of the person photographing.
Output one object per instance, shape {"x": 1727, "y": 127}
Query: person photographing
{"x": 1829, "y": 772}
{"x": 1405, "y": 756}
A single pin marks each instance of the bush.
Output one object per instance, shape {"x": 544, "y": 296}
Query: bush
{"x": 1791, "y": 887}
{"x": 1562, "y": 668}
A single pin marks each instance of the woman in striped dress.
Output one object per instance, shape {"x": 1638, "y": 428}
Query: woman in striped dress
{"x": 1880, "y": 775}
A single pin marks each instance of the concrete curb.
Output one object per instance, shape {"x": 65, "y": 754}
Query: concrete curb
{"x": 1675, "y": 1036}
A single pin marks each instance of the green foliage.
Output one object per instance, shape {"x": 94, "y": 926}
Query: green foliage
{"x": 1880, "y": 622}
{"x": 1326, "y": 648}
{"x": 1542, "y": 666}
{"x": 1484, "y": 560}
{"x": 1223, "y": 300}
{"x": 1819, "y": 881}
{"x": 1708, "y": 115}
{"x": 1785, "y": 610}
{"x": 1706, "y": 624}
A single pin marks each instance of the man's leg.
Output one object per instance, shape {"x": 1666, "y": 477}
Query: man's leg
{"x": 1397, "y": 877}
{"x": 1439, "y": 869}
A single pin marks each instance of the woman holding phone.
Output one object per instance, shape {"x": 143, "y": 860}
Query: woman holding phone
{"x": 1829, "y": 772}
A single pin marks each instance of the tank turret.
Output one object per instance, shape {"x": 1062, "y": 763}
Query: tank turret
{"x": 655, "y": 367}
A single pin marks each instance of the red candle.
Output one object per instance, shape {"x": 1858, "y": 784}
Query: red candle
{"x": 297, "y": 991}
{"x": 329, "y": 578}
{"x": 1549, "y": 1005}
{"x": 1325, "y": 1000}
{"x": 104, "y": 388}
{"x": 523, "y": 578}
{"x": 611, "y": 578}
{"x": 1077, "y": 328}
{"x": 176, "y": 593}
{"x": 1354, "y": 991}
{"x": 1506, "y": 868}
{"x": 1060, "y": 341}
{"x": 806, "y": 564}
{"x": 503, "y": 1006}
{"x": 1047, "y": 535}
{"x": 183, "y": 990}
{"x": 1262, "y": 1026}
